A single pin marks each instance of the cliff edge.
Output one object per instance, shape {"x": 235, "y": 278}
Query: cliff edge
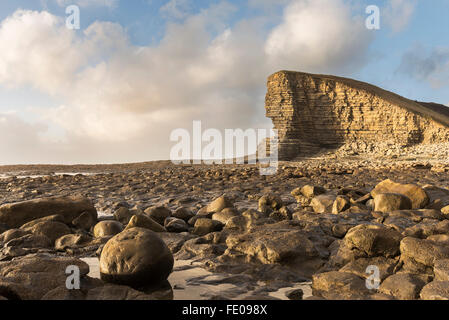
{"x": 314, "y": 112}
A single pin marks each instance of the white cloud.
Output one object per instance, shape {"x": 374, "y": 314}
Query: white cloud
{"x": 398, "y": 13}
{"x": 122, "y": 101}
{"x": 319, "y": 35}
{"x": 89, "y": 3}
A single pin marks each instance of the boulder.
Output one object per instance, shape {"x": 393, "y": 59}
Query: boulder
{"x": 310, "y": 192}
{"x": 419, "y": 255}
{"x": 445, "y": 210}
{"x": 136, "y": 257}
{"x": 71, "y": 241}
{"x": 224, "y": 215}
{"x": 323, "y": 203}
{"x": 31, "y": 277}
{"x": 439, "y": 197}
{"x": 403, "y": 286}
{"x": 204, "y": 226}
{"x": 85, "y": 221}
{"x": 359, "y": 267}
{"x": 55, "y": 218}
{"x": 123, "y": 215}
{"x": 176, "y": 225}
{"x": 17, "y": 214}
{"x": 107, "y": 228}
{"x": 12, "y": 234}
{"x": 283, "y": 213}
{"x": 373, "y": 240}
{"x": 435, "y": 290}
{"x": 143, "y": 221}
{"x": 50, "y": 229}
{"x": 276, "y": 243}
{"x": 268, "y": 203}
{"x": 30, "y": 241}
{"x": 183, "y": 213}
{"x": 175, "y": 241}
{"x": 336, "y": 285}
{"x": 387, "y": 202}
{"x": 158, "y": 214}
{"x": 441, "y": 270}
{"x": 219, "y": 204}
{"x": 295, "y": 294}
{"x": 416, "y": 194}
{"x": 341, "y": 203}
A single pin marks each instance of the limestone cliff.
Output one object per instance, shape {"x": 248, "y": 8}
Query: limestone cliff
{"x": 315, "y": 112}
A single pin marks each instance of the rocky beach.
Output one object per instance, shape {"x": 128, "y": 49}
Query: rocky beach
{"x": 226, "y": 232}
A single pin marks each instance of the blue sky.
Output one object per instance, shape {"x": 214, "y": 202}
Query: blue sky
{"x": 138, "y": 69}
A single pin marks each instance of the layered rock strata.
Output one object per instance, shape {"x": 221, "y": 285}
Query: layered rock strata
{"x": 313, "y": 113}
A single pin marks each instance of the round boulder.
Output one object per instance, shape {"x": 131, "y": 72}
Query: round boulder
{"x": 107, "y": 228}
{"x": 136, "y": 257}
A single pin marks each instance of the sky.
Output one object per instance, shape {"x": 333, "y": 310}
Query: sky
{"x": 114, "y": 90}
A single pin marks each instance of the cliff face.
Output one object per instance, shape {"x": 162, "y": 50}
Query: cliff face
{"x": 316, "y": 112}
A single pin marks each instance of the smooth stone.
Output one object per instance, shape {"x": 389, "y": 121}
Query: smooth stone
{"x": 136, "y": 257}
{"x": 107, "y": 228}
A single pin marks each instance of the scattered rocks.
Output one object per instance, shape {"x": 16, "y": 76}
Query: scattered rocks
{"x": 245, "y": 224}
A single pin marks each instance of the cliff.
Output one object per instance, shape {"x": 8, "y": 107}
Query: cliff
{"x": 313, "y": 113}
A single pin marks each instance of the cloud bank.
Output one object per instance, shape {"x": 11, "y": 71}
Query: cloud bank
{"x": 121, "y": 101}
